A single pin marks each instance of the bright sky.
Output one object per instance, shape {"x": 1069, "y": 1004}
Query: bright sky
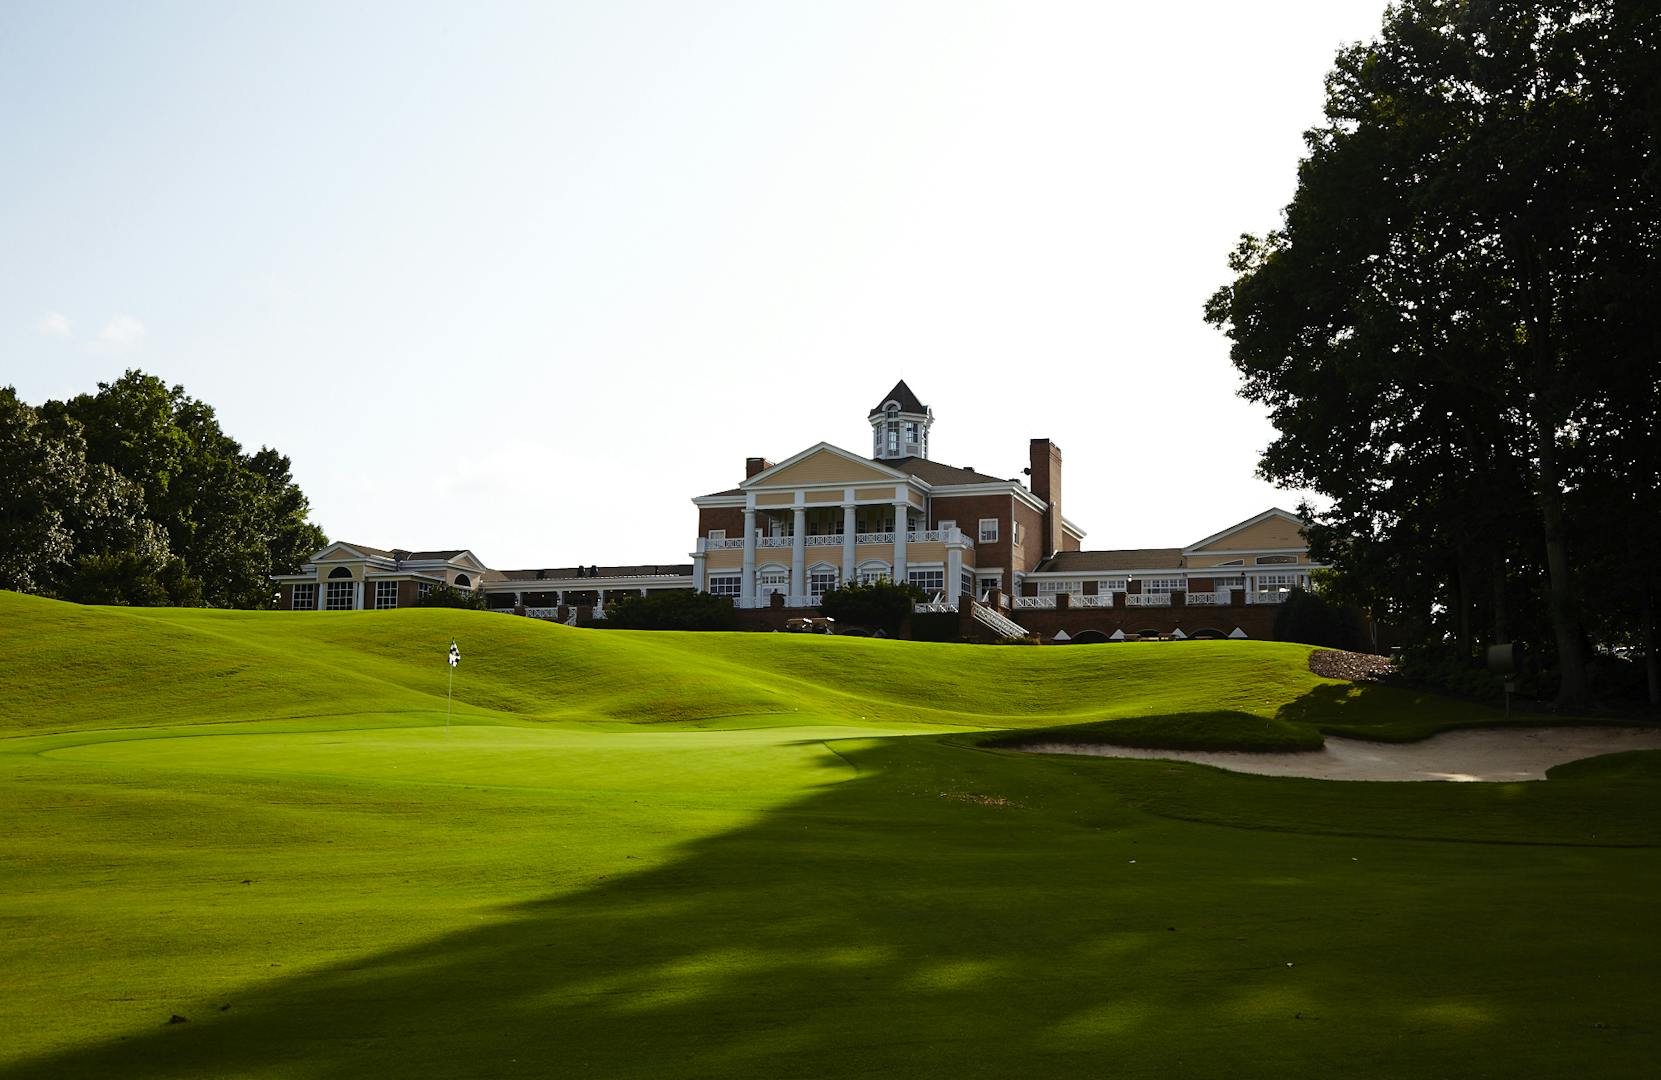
{"x": 525, "y": 278}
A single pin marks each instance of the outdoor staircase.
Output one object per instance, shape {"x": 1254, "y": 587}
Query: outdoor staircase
{"x": 996, "y": 622}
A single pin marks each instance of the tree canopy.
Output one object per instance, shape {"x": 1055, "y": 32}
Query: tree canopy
{"x": 1457, "y": 329}
{"x": 134, "y": 495}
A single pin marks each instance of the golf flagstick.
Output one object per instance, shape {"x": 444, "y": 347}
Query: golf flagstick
{"x": 455, "y": 658}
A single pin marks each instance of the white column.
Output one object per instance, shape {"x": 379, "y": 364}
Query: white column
{"x": 700, "y": 575}
{"x": 798, "y": 553}
{"x": 954, "y": 573}
{"x": 357, "y": 596}
{"x": 900, "y": 528}
{"x": 848, "y": 539}
{"x": 747, "y": 583}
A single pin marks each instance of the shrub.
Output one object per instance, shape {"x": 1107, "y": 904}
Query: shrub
{"x": 679, "y": 609}
{"x": 447, "y": 597}
{"x": 880, "y": 605}
{"x": 1306, "y": 617}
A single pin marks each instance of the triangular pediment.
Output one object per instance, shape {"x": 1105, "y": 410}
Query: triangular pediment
{"x": 340, "y": 551}
{"x": 823, "y": 464}
{"x": 1273, "y": 529}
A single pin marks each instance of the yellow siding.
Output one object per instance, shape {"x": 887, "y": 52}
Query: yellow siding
{"x": 730, "y": 559}
{"x": 1276, "y": 532}
{"x": 825, "y": 468}
{"x": 824, "y": 496}
{"x": 1197, "y": 561}
{"x": 781, "y": 498}
{"x": 882, "y": 494}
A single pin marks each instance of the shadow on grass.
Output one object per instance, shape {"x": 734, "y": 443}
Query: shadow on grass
{"x": 961, "y": 914}
{"x": 1387, "y": 713}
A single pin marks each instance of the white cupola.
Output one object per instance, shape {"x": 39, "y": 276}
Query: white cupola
{"x": 900, "y": 425}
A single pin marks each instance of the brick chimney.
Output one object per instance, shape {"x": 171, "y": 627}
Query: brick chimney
{"x": 754, "y": 465}
{"x": 1046, "y": 484}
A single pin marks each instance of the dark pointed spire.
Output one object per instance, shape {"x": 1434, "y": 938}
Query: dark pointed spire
{"x": 902, "y": 396}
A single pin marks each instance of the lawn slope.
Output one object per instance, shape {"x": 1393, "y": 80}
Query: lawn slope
{"x": 769, "y": 855}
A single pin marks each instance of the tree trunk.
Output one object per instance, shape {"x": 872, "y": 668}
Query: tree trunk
{"x": 1502, "y": 630}
{"x": 1537, "y": 307}
{"x": 1652, "y": 663}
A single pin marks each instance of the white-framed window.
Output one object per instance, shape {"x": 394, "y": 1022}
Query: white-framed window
{"x": 338, "y": 597}
{"x": 930, "y": 581}
{"x": 1163, "y": 585}
{"x": 893, "y": 441}
{"x": 426, "y": 587}
{"x": 772, "y": 579}
{"x": 946, "y": 523}
{"x": 305, "y": 597}
{"x": 1220, "y": 583}
{"x": 988, "y": 530}
{"x": 871, "y": 574}
{"x": 386, "y": 595}
{"x": 965, "y": 583}
{"x": 726, "y": 584}
{"x": 1015, "y": 531}
{"x": 717, "y": 534}
{"x": 987, "y": 584}
{"x": 1104, "y": 586}
{"x": 820, "y": 582}
{"x": 1050, "y": 588}
{"x": 1275, "y": 560}
{"x": 1271, "y": 582}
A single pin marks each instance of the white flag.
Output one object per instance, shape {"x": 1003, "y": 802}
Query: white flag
{"x": 455, "y": 654}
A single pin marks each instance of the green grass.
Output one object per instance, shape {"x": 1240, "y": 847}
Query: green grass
{"x": 771, "y": 855}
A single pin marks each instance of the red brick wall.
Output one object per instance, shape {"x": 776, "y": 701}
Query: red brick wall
{"x": 1032, "y": 535}
{"x": 1258, "y": 621}
{"x": 730, "y": 518}
{"x": 967, "y": 510}
{"x": 1046, "y": 484}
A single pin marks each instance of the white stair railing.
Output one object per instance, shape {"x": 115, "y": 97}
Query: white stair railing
{"x": 995, "y": 622}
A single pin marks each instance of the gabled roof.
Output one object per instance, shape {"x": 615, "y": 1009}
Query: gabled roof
{"x": 936, "y": 472}
{"x": 1074, "y": 562}
{"x": 879, "y": 470}
{"x": 1273, "y": 511}
{"x": 360, "y": 549}
{"x": 902, "y": 396}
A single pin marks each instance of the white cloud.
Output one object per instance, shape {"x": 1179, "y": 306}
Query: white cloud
{"x": 54, "y": 324}
{"x": 122, "y": 334}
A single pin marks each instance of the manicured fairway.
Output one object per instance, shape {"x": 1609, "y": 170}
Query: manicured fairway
{"x": 645, "y": 855}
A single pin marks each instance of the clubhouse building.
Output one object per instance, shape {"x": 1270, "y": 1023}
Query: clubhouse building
{"x": 997, "y": 551}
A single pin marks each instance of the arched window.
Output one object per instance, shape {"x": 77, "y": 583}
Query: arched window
{"x": 1275, "y": 560}
{"x": 340, "y": 572}
{"x": 463, "y": 581}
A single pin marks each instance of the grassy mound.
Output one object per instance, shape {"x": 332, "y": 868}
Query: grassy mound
{"x": 769, "y": 855}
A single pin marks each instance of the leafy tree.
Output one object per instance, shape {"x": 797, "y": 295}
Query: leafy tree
{"x": 676, "y": 609}
{"x": 1455, "y": 329}
{"x": 232, "y": 518}
{"x": 880, "y": 605}
{"x": 41, "y": 476}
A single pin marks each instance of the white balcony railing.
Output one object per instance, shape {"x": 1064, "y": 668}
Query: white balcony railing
{"x": 1157, "y": 599}
{"x": 1207, "y": 599}
{"x": 772, "y": 541}
{"x": 542, "y": 612}
{"x": 874, "y": 538}
{"x": 724, "y": 545}
{"x": 1034, "y": 602}
{"x": 1098, "y": 600}
{"x": 824, "y": 540}
{"x": 1272, "y": 597}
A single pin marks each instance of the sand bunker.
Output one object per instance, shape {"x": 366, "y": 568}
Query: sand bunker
{"x": 1487, "y": 754}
